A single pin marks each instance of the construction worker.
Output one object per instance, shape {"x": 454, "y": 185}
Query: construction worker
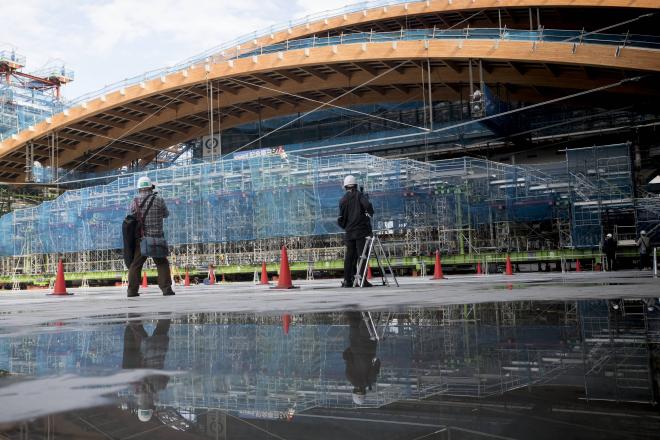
{"x": 150, "y": 203}
{"x": 609, "y": 247}
{"x": 644, "y": 246}
{"x": 355, "y": 211}
{"x": 142, "y": 351}
{"x": 362, "y": 363}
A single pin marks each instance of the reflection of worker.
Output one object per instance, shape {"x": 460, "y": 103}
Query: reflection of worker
{"x": 651, "y": 303}
{"x": 355, "y": 211}
{"x": 144, "y": 351}
{"x": 609, "y": 247}
{"x": 362, "y": 365}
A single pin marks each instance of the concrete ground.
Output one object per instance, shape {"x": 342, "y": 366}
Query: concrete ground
{"x": 22, "y": 310}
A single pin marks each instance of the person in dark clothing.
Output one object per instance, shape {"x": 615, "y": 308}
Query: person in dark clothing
{"x": 148, "y": 352}
{"x": 362, "y": 364}
{"x": 609, "y": 247}
{"x": 355, "y": 211}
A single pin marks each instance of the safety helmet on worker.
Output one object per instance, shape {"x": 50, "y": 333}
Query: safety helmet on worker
{"x": 144, "y": 415}
{"x": 609, "y": 235}
{"x": 145, "y": 404}
{"x": 144, "y": 182}
{"x": 643, "y": 233}
{"x": 350, "y": 181}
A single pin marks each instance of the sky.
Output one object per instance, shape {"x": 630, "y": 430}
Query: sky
{"x": 106, "y": 41}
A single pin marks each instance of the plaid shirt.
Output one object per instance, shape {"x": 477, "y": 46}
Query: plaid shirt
{"x": 153, "y": 224}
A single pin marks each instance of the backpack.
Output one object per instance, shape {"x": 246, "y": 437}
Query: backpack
{"x": 132, "y": 228}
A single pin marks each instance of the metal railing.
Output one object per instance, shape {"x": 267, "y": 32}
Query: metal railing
{"x": 12, "y": 57}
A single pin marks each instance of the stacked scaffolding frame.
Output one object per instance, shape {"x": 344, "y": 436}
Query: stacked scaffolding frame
{"x": 241, "y": 211}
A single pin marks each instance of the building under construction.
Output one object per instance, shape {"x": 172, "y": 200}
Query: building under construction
{"x": 477, "y": 127}
{"x": 27, "y": 98}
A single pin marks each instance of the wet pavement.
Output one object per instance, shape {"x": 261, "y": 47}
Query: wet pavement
{"x": 529, "y": 356}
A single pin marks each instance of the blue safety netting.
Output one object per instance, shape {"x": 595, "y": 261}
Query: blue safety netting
{"x": 220, "y": 201}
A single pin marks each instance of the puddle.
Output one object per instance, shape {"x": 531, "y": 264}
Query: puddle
{"x": 526, "y": 285}
{"x": 539, "y": 369}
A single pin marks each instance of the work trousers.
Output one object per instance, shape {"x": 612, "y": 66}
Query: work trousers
{"x": 644, "y": 261}
{"x": 135, "y": 272}
{"x": 354, "y": 249}
{"x": 611, "y": 261}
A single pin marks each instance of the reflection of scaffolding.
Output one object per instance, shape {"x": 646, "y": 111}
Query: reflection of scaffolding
{"x": 616, "y": 351}
{"x": 247, "y": 365}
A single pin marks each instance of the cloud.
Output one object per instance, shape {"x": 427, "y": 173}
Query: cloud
{"x": 204, "y": 22}
{"x": 105, "y": 41}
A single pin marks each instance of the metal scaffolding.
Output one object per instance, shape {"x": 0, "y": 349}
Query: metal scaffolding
{"x": 240, "y": 211}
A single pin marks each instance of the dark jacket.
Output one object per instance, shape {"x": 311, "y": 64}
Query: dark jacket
{"x": 609, "y": 246}
{"x": 362, "y": 365}
{"x": 353, "y": 210}
{"x": 148, "y": 352}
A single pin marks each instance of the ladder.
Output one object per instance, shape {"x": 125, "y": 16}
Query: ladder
{"x": 373, "y": 245}
{"x": 382, "y": 320}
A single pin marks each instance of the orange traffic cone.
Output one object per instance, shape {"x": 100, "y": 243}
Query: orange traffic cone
{"x": 60, "y": 285}
{"x": 284, "y": 281}
{"x": 286, "y": 323}
{"x": 186, "y": 280}
{"x": 509, "y": 268}
{"x": 369, "y": 274}
{"x": 479, "y": 272}
{"x": 223, "y": 279}
{"x": 264, "y": 274}
{"x": 578, "y": 266}
{"x": 145, "y": 283}
{"x": 437, "y": 271}
{"x": 211, "y": 276}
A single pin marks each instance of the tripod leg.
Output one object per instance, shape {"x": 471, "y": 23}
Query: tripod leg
{"x": 387, "y": 260}
{"x": 383, "y": 274}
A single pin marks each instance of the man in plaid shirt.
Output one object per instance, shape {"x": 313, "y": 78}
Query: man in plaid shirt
{"x": 152, "y": 227}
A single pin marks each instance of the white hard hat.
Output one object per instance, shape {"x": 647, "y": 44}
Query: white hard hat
{"x": 144, "y": 415}
{"x": 643, "y": 232}
{"x": 144, "y": 182}
{"x": 359, "y": 399}
{"x": 609, "y": 235}
{"x": 350, "y": 180}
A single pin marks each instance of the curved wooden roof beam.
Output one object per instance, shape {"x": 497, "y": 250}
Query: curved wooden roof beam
{"x": 185, "y": 83}
{"x": 416, "y": 8}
